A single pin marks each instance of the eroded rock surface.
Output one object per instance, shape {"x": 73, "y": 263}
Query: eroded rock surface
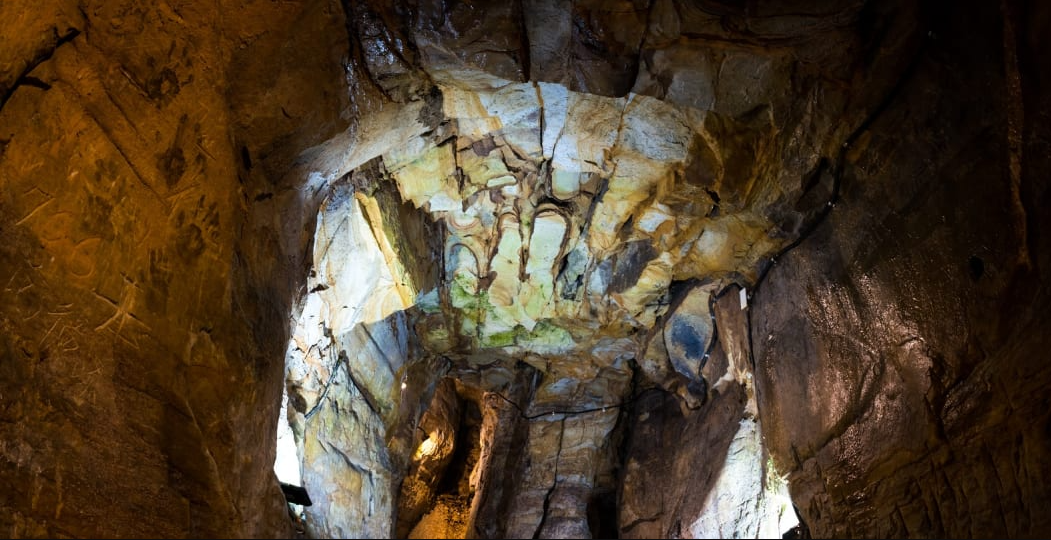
{"x": 672, "y": 250}
{"x": 908, "y": 326}
{"x": 139, "y": 386}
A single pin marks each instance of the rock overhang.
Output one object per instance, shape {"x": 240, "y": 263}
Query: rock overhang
{"x": 567, "y": 216}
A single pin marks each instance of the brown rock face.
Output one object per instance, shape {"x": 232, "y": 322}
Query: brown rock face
{"x": 910, "y": 323}
{"x": 440, "y": 423}
{"x": 139, "y": 336}
{"x": 524, "y": 269}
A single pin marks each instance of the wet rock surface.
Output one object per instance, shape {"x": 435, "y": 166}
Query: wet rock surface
{"x": 908, "y": 322}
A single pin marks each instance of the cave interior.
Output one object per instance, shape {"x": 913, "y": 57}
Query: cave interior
{"x": 525, "y": 269}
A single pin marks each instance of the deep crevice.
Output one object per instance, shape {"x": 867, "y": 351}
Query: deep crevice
{"x": 24, "y": 79}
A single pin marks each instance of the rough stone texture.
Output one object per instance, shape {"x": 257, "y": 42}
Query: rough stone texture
{"x": 577, "y": 187}
{"x": 564, "y": 457}
{"x": 448, "y": 519}
{"x": 140, "y": 368}
{"x": 748, "y": 499}
{"x": 669, "y": 458}
{"x": 516, "y": 204}
{"x": 502, "y": 445}
{"x": 439, "y": 424}
{"x": 352, "y": 379}
{"x": 901, "y": 350}
{"x": 693, "y": 471}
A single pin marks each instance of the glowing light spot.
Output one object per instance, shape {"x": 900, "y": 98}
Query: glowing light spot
{"x": 427, "y": 448}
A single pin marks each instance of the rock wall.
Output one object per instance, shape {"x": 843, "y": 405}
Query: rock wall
{"x": 555, "y": 202}
{"x": 440, "y": 424}
{"x": 140, "y": 357}
{"x": 345, "y": 365}
{"x": 901, "y": 348}
{"x": 702, "y": 470}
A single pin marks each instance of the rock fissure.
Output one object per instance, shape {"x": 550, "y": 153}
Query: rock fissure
{"x": 324, "y": 393}
{"x": 39, "y": 56}
{"x": 533, "y": 226}
{"x": 570, "y": 412}
{"x": 1015, "y": 121}
{"x": 546, "y": 508}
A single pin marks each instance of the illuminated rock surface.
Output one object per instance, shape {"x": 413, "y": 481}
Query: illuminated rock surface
{"x": 535, "y": 269}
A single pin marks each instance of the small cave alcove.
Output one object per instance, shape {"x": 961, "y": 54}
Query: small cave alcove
{"x": 436, "y": 496}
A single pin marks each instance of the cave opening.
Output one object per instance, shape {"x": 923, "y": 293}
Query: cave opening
{"x": 437, "y": 494}
{"x": 286, "y": 467}
{"x": 602, "y": 515}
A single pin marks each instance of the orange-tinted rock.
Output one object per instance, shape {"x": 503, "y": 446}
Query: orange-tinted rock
{"x": 580, "y": 207}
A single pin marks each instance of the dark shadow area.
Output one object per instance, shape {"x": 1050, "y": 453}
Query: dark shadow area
{"x": 602, "y": 514}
